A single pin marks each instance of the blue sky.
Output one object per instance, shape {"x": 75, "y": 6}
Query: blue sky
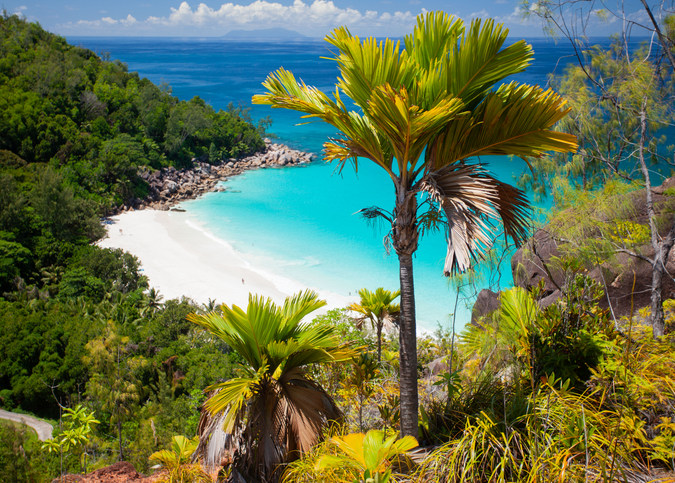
{"x": 310, "y": 17}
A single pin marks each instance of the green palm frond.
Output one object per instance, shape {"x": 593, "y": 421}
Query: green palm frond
{"x": 273, "y": 409}
{"x": 284, "y": 91}
{"x": 514, "y": 120}
{"x": 434, "y": 35}
{"x": 370, "y": 453}
{"x": 408, "y": 127}
{"x": 368, "y": 64}
{"x": 518, "y": 310}
{"x": 376, "y": 305}
{"x": 478, "y": 61}
{"x": 299, "y": 306}
{"x": 230, "y": 397}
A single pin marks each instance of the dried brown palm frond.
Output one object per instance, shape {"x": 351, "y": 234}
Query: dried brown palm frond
{"x": 471, "y": 201}
{"x": 216, "y": 447}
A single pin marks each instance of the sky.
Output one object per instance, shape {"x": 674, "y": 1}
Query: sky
{"x": 313, "y": 18}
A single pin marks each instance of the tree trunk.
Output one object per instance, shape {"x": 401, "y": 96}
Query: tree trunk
{"x": 119, "y": 434}
{"x": 658, "y": 271}
{"x": 661, "y": 246}
{"x": 662, "y": 38}
{"x": 379, "y": 341}
{"x": 404, "y": 239}
{"x": 408, "y": 349}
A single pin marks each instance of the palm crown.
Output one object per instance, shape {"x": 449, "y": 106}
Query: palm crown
{"x": 377, "y": 307}
{"x": 425, "y": 109}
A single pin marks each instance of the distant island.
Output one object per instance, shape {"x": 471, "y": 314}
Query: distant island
{"x": 265, "y": 35}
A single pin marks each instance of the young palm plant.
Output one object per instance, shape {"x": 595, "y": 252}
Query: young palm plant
{"x": 420, "y": 113}
{"x": 369, "y": 454}
{"x": 273, "y": 411}
{"x": 176, "y": 463}
{"x": 377, "y": 307}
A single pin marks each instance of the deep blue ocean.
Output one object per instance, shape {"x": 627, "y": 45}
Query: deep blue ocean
{"x": 301, "y": 222}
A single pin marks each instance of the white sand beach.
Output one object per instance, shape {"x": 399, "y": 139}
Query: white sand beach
{"x": 181, "y": 259}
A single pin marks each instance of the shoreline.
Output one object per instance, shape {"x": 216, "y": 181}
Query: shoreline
{"x": 169, "y": 186}
{"x": 180, "y": 258}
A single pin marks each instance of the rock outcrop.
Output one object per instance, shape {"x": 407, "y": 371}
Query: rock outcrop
{"x": 627, "y": 280}
{"x": 170, "y": 186}
{"x": 486, "y": 302}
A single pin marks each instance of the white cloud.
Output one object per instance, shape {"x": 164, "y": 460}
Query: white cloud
{"x": 315, "y": 18}
{"x": 127, "y": 21}
{"x": 130, "y": 20}
{"x": 479, "y": 14}
{"x": 521, "y": 16}
{"x": 299, "y": 14}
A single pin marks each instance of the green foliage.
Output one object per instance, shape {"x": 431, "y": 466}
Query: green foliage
{"x": 362, "y": 378}
{"x": 14, "y": 259}
{"x": 369, "y": 454}
{"x": 177, "y": 462}
{"x": 352, "y": 458}
{"x": 74, "y": 435}
{"x": 377, "y": 307}
{"x": 564, "y": 338}
{"x": 21, "y": 458}
{"x": 41, "y": 345}
{"x": 113, "y": 384}
{"x": 606, "y": 90}
{"x": 94, "y": 272}
{"x": 563, "y": 435}
{"x": 76, "y": 130}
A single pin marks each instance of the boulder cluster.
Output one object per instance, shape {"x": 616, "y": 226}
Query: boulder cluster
{"x": 170, "y": 186}
{"x": 627, "y": 281}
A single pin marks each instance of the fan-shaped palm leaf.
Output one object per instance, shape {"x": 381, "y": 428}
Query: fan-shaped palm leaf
{"x": 370, "y": 453}
{"x": 273, "y": 410}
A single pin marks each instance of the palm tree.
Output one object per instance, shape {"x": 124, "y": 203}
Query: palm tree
{"x": 420, "y": 113}
{"x": 377, "y": 307}
{"x": 273, "y": 411}
{"x": 151, "y": 302}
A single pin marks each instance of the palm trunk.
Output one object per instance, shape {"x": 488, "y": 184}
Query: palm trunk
{"x": 408, "y": 349}
{"x": 405, "y": 238}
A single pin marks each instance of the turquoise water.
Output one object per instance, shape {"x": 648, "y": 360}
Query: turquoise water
{"x": 301, "y": 222}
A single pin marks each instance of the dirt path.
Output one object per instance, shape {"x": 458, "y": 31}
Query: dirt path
{"x": 43, "y": 429}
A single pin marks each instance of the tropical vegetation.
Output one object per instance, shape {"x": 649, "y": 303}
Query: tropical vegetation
{"x": 378, "y": 308}
{"x": 554, "y": 383}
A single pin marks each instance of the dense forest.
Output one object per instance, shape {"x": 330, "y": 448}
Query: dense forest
{"x": 567, "y": 376}
{"x": 76, "y": 131}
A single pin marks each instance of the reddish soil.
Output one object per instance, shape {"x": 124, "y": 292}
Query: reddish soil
{"x": 119, "y": 472}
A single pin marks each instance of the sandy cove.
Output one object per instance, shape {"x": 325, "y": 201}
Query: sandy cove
{"x": 182, "y": 259}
